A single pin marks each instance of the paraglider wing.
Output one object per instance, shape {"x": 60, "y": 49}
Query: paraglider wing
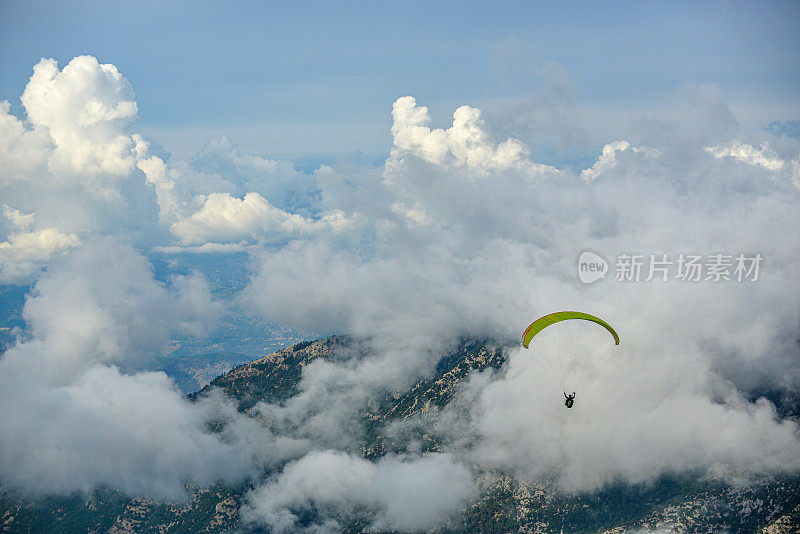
{"x": 540, "y": 324}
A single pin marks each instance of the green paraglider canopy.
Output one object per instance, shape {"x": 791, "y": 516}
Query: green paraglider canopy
{"x": 540, "y": 324}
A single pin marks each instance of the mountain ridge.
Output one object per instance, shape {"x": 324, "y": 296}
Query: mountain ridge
{"x": 688, "y": 503}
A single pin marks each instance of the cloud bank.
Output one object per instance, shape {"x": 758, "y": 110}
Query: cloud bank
{"x": 469, "y": 240}
{"x": 457, "y": 234}
{"x": 78, "y": 408}
{"x": 404, "y": 495}
{"x": 74, "y": 169}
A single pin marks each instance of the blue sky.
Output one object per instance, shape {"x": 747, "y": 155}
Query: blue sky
{"x": 314, "y": 79}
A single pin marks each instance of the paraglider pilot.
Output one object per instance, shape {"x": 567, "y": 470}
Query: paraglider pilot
{"x": 543, "y": 322}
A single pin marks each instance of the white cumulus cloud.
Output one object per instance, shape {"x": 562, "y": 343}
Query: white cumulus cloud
{"x": 404, "y": 495}
{"x": 456, "y": 247}
{"x": 224, "y": 218}
{"x": 78, "y": 409}
{"x": 466, "y": 143}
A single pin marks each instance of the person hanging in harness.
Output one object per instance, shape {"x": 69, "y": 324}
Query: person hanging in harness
{"x": 570, "y": 399}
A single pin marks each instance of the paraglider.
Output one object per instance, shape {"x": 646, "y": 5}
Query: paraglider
{"x": 543, "y": 322}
